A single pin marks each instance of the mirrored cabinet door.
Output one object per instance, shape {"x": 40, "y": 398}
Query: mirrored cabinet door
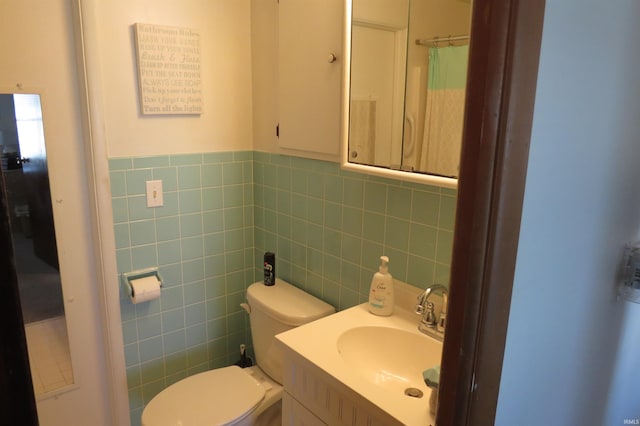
{"x": 404, "y": 88}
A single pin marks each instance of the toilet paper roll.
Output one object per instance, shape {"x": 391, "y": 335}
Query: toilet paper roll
{"x": 145, "y": 289}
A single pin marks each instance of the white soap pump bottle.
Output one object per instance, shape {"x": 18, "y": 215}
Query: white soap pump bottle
{"x": 381, "y": 292}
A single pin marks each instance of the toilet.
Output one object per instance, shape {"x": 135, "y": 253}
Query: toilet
{"x": 233, "y": 395}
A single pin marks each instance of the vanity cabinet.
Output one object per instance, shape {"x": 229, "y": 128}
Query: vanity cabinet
{"x": 310, "y": 75}
{"x": 312, "y": 397}
{"x": 297, "y": 414}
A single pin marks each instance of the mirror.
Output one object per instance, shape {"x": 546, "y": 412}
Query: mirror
{"x": 404, "y": 88}
{"x": 24, "y": 168}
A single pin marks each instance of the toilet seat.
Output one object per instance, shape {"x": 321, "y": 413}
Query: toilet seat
{"x": 215, "y": 397}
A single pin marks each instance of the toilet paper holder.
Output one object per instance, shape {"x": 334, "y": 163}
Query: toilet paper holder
{"x": 127, "y": 277}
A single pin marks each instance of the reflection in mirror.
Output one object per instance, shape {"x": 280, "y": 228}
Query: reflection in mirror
{"x": 406, "y": 87}
{"x": 378, "y": 68}
{"x": 24, "y": 167}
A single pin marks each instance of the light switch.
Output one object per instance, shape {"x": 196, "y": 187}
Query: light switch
{"x": 154, "y": 193}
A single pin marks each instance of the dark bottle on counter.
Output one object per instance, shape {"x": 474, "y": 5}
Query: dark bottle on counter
{"x": 269, "y": 268}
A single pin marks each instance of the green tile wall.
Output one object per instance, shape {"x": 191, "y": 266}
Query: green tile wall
{"x": 329, "y": 227}
{"x": 201, "y": 240}
{"x": 221, "y": 212}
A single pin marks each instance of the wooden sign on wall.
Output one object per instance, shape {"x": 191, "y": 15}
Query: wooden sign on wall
{"x": 169, "y": 74}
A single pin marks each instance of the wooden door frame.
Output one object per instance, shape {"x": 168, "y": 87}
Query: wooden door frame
{"x": 503, "y": 64}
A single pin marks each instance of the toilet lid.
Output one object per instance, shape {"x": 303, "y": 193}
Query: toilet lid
{"x": 215, "y": 397}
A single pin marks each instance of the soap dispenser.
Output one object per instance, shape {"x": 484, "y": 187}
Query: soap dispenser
{"x": 381, "y": 292}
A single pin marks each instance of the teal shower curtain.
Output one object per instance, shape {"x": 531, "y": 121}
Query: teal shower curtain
{"x": 442, "y": 139}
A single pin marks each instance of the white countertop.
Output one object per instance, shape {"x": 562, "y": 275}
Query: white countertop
{"x": 317, "y": 342}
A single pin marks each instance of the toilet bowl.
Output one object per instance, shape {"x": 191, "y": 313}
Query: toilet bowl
{"x": 233, "y": 395}
{"x": 224, "y": 396}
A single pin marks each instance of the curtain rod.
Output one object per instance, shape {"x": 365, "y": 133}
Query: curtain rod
{"x": 435, "y": 40}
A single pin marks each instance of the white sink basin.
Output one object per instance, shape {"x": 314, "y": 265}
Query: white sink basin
{"x": 389, "y": 357}
{"x": 376, "y": 357}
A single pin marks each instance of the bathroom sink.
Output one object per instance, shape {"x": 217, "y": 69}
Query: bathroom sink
{"x": 390, "y": 358}
{"x": 379, "y": 359}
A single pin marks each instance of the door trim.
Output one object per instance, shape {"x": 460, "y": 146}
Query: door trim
{"x": 503, "y": 63}
{"x": 89, "y": 76}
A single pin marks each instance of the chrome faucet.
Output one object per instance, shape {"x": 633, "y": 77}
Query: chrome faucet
{"x": 429, "y": 324}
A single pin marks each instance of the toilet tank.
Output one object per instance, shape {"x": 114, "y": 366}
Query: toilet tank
{"x": 275, "y": 309}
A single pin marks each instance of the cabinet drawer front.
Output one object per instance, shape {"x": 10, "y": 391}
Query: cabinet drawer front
{"x": 331, "y": 401}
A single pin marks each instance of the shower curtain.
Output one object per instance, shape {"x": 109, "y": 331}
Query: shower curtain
{"x": 442, "y": 138}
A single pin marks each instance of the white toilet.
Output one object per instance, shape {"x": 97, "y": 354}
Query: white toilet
{"x": 236, "y": 396}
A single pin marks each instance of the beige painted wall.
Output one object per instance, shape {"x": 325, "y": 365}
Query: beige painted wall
{"x": 226, "y": 123}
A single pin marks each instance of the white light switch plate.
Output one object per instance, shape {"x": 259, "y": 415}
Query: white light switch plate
{"x": 154, "y": 193}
